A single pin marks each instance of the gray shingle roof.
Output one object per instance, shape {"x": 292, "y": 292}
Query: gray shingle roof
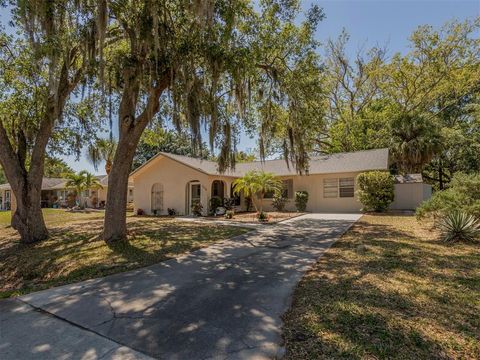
{"x": 326, "y": 164}
{"x": 47, "y": 184}
{"x": 59, "y": 183}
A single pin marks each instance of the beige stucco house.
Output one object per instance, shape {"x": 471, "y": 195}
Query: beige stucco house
{"x": 55, "y": 192}
{"x": 176, "y": 182}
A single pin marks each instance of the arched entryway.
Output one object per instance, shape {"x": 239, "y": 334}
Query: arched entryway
{"x": 218, "y": 189}
{"x": 157, "y": 199}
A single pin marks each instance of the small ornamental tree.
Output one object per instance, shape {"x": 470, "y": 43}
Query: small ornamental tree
{"x": 255, "y": 184}
{"x": 301, "y": 200}
{"x": 376, "y": 190}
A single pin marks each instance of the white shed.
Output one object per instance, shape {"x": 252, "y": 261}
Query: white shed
{"x": 410, "y": 192}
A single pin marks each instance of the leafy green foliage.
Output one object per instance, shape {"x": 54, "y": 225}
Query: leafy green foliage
{"x": 197, "y": 208}
{"x": 301, "y": 200}
{"x": 103, "y": 150}
{"x": 463, "y": 194}
{"x": 279, "y": 202}
{"x": 56, "y": 168}
{"x": 215, "y": 202}
{"x": 459, "y": 226}
{"x": 82, "y": 181}
{"x": 3, "y": 179}
{"x": 156, "y": 139}
{"x": 375, "y": 190}
{"x": 414, "y": 142}
{"x": 262, "y": 216}
{"x": 255, "y": 184}
{"x": 423, "y": 105}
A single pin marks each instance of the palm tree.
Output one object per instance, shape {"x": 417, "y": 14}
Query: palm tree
{"x": 255, "y": 184}
{"x": 82, "y": 181}
{"x": 76, "y": 182}
{"x": 102, "y": 150}
{"x": 90, "y": 181}
{"x": 415, "y": 140}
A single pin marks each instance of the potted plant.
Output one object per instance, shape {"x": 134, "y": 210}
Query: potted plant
{"x": 197, "y": 208}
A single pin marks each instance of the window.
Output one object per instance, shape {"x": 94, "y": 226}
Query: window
{"x": 234, "y": 196}
{"x": 330, "y": 188}
{"x": 287, "y": 190}
{"x": 217, "y": 188}
{"x": 62, "y": 194}
{"x": 347, "y": 187}
{"x": 343, "y": 187}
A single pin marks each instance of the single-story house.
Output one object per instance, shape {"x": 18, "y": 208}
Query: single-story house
{"x": 55, "y": 193}
{"x": 176, "y": 182}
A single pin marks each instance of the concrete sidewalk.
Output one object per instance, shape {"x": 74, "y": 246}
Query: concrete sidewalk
{"x": 224, "y": 301}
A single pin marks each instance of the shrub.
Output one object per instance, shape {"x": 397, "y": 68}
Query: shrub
{"x": 459, "y": 226}
{"x": 140, "y": 212}
{"x": 172, "y": 211}
{"x": 197, "y": 208}
{"x": 262, "y": 216}
{"x": 376, "y": 190}
{"x": 279, "y": 202}
{"x": 215, "y": 202}
{"x": 463, "y": 194}
{"x": 301, "y": 200}
{"x": 229, "y": 214}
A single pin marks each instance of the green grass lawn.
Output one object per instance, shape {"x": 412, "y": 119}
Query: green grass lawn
{"x": 75, "y": 252}
{"x": 54, "y": 216}
{"x": 389, "y": 289}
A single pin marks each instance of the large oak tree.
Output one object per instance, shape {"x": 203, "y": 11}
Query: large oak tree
{"x": 40, "y": 68}
{"x": 216, "y": 64}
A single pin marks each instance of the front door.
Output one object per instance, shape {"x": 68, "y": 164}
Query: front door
{"x": 195, "y": 195}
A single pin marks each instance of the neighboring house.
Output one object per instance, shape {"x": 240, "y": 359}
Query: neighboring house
{"x": 174, "y": 181}
{"x": 55, "y": 193}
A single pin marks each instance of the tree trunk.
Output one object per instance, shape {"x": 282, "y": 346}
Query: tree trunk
{"x": 115, "y": 226}
{"x": 28, "y": 217}
{"x": 131, "y": 129}
{"x": 26, "y": 185}
{"x": 440, "y": 175}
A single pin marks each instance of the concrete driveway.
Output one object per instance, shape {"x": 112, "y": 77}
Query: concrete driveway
{"x": 221, "y": 302}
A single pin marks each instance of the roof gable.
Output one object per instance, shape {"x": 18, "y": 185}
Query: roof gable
{"x": 326, "y": 164}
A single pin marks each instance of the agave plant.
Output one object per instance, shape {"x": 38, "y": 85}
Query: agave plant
{"x": 458, "y": 226}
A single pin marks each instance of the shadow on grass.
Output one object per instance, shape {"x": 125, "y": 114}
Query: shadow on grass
{"x": 76, "y": 252}
{"x": 382, "y": 292}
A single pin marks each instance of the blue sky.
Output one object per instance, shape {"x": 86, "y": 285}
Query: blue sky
{"x": 369, "y": 23}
